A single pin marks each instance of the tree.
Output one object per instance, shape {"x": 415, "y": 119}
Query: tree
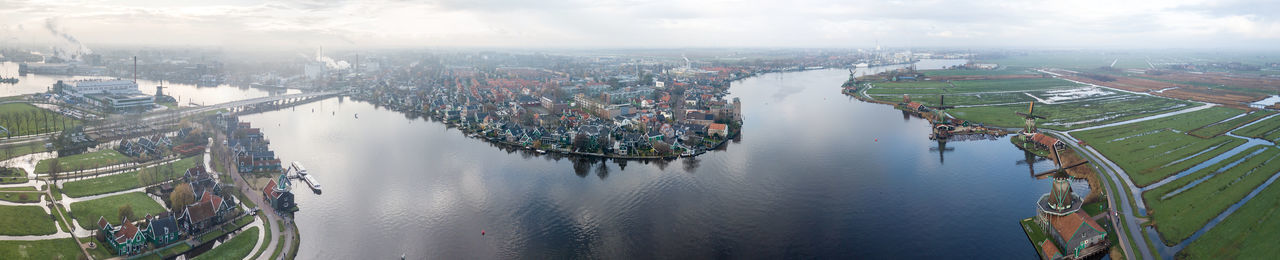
{"x": 181, "y": 196}
{"x": 126, "y": 212}
{"x": 54, "y": 168}
{"x": 662, "y": 147}
{"x": 579, "y": 142}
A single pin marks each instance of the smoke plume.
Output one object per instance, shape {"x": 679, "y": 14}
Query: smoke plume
{"x": 70, "y": 48}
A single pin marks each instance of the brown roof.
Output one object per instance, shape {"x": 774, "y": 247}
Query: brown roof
{"x": 200, "y": 211}
{"x": 126, "y": 232}
{"x": 1049, "y": 249}
{"x": 1043, "y": 139}
{"x": 270, "y": 189}
{"x": 718, "y": 127}
{"x": 1069, "y": 224}
{"x": 102, "y": 222}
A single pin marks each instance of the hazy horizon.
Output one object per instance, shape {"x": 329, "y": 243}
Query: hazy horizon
{"x": 338, "y": 25}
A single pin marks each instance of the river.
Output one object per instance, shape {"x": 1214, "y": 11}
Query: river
{"x": 185, "y": 93}
{"x": 814, "y": 174}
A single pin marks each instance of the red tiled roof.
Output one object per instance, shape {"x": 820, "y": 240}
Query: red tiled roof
{"x": 1043, "y": 139}
{"x": 126, "y": 232}
{"x": 200, "y": 211}
{"x": 1049, "y": 249}
{"x": 270, "y": 190}
{"x": 718, "y": 127}
{"x": 102, "y": 222}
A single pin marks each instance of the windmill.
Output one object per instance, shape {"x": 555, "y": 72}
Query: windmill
{"x": 942, "y": 105}
{"x": 1031, "y": 117}
{"x": 1030, "y": 160}
{"x": 942, "y": 149}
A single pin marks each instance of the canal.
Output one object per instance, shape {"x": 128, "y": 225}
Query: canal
{"x": 814, "y": 174}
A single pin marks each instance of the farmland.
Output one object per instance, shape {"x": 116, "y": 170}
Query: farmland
{"x": 1241, "y": 235}
{"x": 1155, "y": 149}
{"x": 1073, "y": 115}
{"x": 1266, "y": 129}
{"x": 1224, "y": 126}
{"x": 1182, "y": 207}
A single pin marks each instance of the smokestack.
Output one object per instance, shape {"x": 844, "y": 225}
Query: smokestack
{"x": 135, "y": 69}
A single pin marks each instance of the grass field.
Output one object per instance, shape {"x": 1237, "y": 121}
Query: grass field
{"x": 129, "y": 180}
{"x": 1036, "y": 234}
{"x": 84, "y": 161}
{"x": 236, "y": 248}
{"x": 25, "y": 221}
{"x": 1266, "y": 129}
{"x": 1179, "y": 215}
{"x": 19, "y": 150}
{"x": 1249, "y": 233}
{"x": 1224, "y": 126}
{"x": 969, "y": 86}
{"x": 26, "y": 119}
{"x": 1154, "y": 149}
{"x": 88, "y": 212}
{"x": 1001, "y": 71}
{"x": 31, "y": 197}
{"x": 1073, "y": 115}
{"x": 64, "y": 248}
{"x": 13, "y": 175}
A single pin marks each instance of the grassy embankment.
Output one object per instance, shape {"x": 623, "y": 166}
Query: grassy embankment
{"x": 84, "y": 161}
{"x": 27, "y": 119}
{"x": 88, "y": 212}
{"x": 1247, "y": 234}
{"x": 129, "y": 180}
{"x": 236, "y": 248}
{"x": 1155, "y": 149}
{"x": 1181, "y": 207}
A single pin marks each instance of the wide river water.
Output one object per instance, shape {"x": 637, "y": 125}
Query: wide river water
{"x": 814, "y": 174}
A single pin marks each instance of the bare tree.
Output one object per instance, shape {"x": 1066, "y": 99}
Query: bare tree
{"x": 54, "y": 168}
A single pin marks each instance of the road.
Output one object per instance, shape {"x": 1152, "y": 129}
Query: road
{"x": 173, "y": 116}
{"x": 1131, "y": 223}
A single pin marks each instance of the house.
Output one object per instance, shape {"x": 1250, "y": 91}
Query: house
{"x": 1050, "y": 250}
{"x": 278, "y": 193}
{"x": 1046, "y": 141}
{"x": 127, "y": 239}
{"x": 196, "y": 218}
{"x": 164, "y": 229}
{"x": 718, "y": 129}
{"x": 1078, "y": 234}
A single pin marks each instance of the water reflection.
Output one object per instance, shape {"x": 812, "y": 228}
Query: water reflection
{"x": 836, "y": 179}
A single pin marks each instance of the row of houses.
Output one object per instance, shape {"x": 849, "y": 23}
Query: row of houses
{"x": 213, "y": 207}
{"x": 251, "y": 148}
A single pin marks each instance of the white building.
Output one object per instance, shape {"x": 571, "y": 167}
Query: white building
{"x": 80, "y": 88}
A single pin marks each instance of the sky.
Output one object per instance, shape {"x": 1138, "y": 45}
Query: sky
{"x": 1222, "y": 24}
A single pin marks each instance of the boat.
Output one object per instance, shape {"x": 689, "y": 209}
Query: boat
{"x": 306, "y": 177}
{"x": 541, "y": 151}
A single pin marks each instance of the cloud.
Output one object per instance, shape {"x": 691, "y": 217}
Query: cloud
{"x": 660, "y": 23}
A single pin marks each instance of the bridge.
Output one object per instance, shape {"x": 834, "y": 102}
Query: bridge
{"x": 118, "y": 124}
